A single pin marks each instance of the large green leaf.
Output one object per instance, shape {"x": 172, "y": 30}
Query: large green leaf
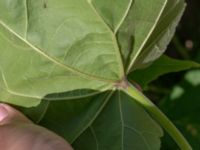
{"x": 71, "y": 50}
{"x": 77, "y": 115}
{"x": 160, "y": 67}
{"x": 52, "y": 45}
{"x": 130, "y": 128}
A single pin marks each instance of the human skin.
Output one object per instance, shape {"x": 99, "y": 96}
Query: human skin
{"x": 19, "y": 133}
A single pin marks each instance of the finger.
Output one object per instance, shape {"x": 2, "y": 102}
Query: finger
{"x": 10, "y": 115}
{"x": 14, "y": 124}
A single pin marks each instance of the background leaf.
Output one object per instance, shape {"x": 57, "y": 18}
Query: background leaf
{"x": 160, "y": 67}
{"x": 74, "y": 116}
{"x": 130, "y": 128}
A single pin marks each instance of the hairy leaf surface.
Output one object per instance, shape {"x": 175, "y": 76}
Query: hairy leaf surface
{"x": 56, "y": 45}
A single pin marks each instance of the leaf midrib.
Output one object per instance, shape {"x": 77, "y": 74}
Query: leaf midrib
{"x": 46, "y": 98}
{"x": 115, "y": 43}
{"x": 146, "y": 39}
{"x": 122, "y": 119}
{"x": 124, "y": 125}
{"x": 107, "y": 97}
{"x": 163, "y": 32}
{"x": 124, "y": 17}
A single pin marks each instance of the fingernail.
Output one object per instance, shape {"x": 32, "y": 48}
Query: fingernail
{"x": 3, "y": 112}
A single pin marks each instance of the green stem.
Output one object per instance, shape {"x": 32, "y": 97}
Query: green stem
{"x": 159, "y": 116}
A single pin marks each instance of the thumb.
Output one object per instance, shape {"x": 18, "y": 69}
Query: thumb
{"x": 10, "y": 115}
{"x": 15, "y": 128}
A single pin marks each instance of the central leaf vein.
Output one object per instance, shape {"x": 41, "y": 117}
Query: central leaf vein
{"x": 147, "y": 37}
{"x": 122, "y": 120}
{"x": 118, "y": 53}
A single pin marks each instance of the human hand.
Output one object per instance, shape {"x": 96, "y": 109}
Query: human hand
{"x": 19, "y": 133}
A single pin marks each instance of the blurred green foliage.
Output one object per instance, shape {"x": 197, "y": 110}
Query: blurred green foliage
{"x": 183, "y": 108}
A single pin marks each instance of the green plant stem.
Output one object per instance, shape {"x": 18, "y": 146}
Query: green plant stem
{"x": 159, "y": 116}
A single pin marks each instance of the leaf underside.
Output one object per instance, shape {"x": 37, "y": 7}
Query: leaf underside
{"x": 54, "y": 45}
{"x": 71, "y": 54}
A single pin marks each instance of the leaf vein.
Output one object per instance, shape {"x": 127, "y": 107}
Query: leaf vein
{"x": 140, "y": 134}
{"x": 116, "y": 46}
{"x": 107, "y": 97}
{"x": 147, "y": 37}
{"x": 122, "y": 120}
{"x": 54, "y": 60}
{"x": 124, "y": 16}
{"x": 95, "y": 137}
